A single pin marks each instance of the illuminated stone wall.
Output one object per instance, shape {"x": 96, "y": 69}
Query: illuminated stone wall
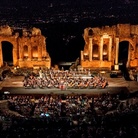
{"x": 29, "y": 49}
{"x": 101, "y": 50}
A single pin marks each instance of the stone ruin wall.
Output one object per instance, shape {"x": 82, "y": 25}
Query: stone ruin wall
{"x": 29, "y": 48}
{"x": 110, "y": 36}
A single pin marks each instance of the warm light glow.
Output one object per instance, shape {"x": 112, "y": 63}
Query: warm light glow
{"x": 105, "y": 35}
{"x": 102, "y": 72}
{"x": 25, "y": 54}
{"x": 35, "y": 51}
{"x": 116, "y": 67}
{"x": 85, "y": 54}
{"x": 95, "y": 55}
{"x": 104, "y": 53}
{"x": 25, "y": 51}
{"x": 35, "y": 54}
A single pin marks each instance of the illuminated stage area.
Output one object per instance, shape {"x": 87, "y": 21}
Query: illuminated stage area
{"x": 14, "y": 85}
{"x": 96, "y": 92}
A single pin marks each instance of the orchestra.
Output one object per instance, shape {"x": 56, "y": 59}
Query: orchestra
{"x": 64, "y": 80}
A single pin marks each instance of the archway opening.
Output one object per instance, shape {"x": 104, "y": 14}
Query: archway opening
{"x": 35, "y": 52}
{"x": 25, "y": 52}
{"x": 95, "y": 52}
{"x": 123, "y": 58}
{"x": 105, "y": 52}
{"x": 7, "y": 53}
{"x": 123, "y": 53}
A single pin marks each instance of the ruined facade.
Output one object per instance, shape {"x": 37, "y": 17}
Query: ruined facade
{"x": 101, "y": 50}
{"x": 29, "y": 49}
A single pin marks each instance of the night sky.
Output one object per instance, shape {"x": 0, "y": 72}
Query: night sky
{"x": 63, "y": 22}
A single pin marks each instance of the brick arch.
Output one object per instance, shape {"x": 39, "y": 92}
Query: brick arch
{"x": 4, "y": 40}
{"x": 131, "y": 50}
{"x": 130, "y": 41}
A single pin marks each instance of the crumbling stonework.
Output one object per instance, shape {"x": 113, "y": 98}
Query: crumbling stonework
{"x": 101, "y": 50}
{"x": 29, "y": 49}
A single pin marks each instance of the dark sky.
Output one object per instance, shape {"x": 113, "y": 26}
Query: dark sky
{"x": 64, "y": 40}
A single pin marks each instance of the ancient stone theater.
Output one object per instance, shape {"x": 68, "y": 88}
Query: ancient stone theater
{"x": 28, "y": 47}
{"x": 103, "y": 50}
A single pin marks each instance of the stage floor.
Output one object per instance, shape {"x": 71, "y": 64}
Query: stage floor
{"x": 14, "y": 85}
{"x": 21, "y": 90}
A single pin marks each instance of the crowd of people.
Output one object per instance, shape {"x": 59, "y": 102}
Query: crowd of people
{"x": 69, "y": 116}
{"x": 61, "y": 105}
{"x": 64, "y": 79}
{"x": 108, "y": 115}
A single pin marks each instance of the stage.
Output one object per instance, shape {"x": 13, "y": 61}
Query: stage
{"x": 97, "y": 91}
{"x": 14, "y": 85}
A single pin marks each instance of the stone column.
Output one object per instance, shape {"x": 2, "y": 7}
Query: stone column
{"x": 20, "y": 53}
{"x": 15, "y": 60}
{"x": 29, "y": 52}
{"x": 21, "y": 50}
{"x": 40, "y": 52}
{"x": 82, "y": 56}
{"x": 1, "y": 55}
{"x": 90, "y": 48}
{"x": 110, "y": 47}
{"x": 116, "y": 54}
{"x": 129, "y": 52}
{"x": 15, "y": 53}
{"x": 101, "y": 48}
{"x": 44, "y": 50}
